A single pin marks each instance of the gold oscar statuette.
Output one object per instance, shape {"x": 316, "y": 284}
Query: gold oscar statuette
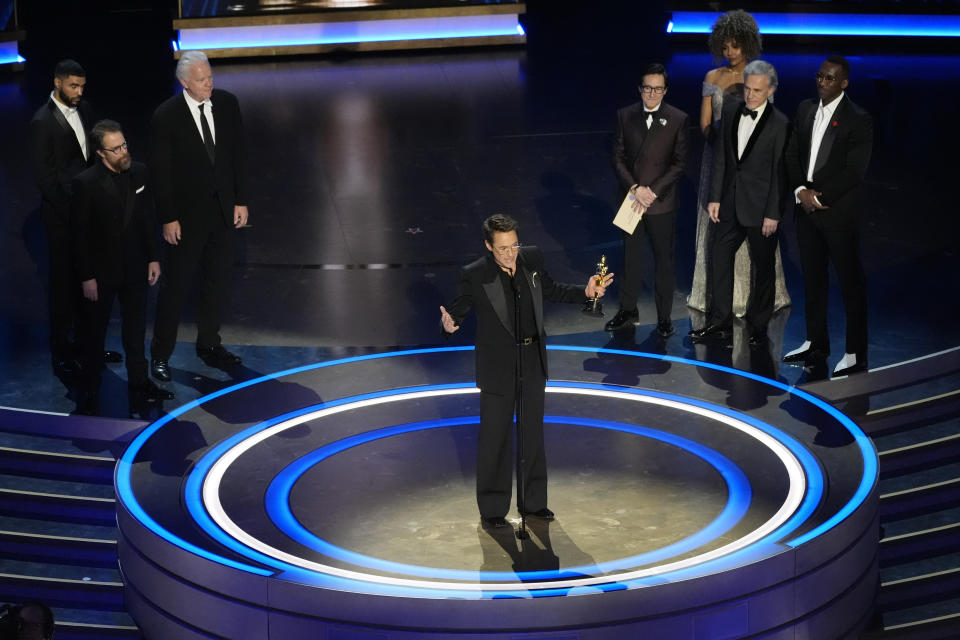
{"x": 593, "y": 306}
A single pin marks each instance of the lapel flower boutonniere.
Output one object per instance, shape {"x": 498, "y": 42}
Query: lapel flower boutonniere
{"x": 835, "y": 123}
{"x": 533, "y": 279}
{"x": 663, "y": 122}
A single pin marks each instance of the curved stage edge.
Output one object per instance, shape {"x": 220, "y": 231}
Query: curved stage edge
{"x": 335, "y": 500}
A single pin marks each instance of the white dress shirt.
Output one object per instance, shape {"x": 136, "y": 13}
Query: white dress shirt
{"x": 821, "y": 120}
{"x": 207, "y": 112}
{"x": 746, "y": 128}
{"x": 73, "y": 119}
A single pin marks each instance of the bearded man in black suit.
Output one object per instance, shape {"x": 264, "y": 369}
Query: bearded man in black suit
{"x": 509, "y": 284}
{"x": 59, "y": 151}
{"x": 198, "y": 164}
{"x": 827, "y": 159}
{"x": 649, "y": 155}
{"x": 745, "y": 202}
{"x": 116, "y": 256}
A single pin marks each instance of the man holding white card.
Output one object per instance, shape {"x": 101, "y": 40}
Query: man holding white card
{"x": 649, "y": 155}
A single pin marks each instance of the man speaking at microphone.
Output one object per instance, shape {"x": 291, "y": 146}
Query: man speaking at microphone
{"x": 506, "y": 287}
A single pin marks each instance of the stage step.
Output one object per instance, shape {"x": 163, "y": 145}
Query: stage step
{"x": 925, "y": 447}
{"x": 61, "y": 585}
{"x": 88, "y": 624}
{"x": 60, "y": 500}
{"x": 920, "y": 492}
{"x": 55, "y": 458}
{"x": 52, "y": 541}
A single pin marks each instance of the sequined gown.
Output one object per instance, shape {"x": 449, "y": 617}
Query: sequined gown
{"x": 700, "y": 289}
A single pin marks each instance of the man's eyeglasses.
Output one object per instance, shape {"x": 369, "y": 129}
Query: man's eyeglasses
{"x": 826, "y": 78}
{"x": 657, "y": 90}
{"x": 118, "y": 148}
{"x": 502, "y": 251}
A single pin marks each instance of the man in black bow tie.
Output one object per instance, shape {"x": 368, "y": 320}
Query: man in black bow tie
{"x": 745, "y": 202}
{"x": 117, "y": 255}
{"x": 827, "y": 159}
{"x": 649, "y": 155}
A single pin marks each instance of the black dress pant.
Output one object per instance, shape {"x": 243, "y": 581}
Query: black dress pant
{"x": 728, "y": 237}
{"x": 661, "y": 228}
{"x": 94, "y": 319}
{"x": 63, "y": 290}
{"x": 495, "y": 459}
{"x": 205, "y": 255}
{"x": 818, "y": 247}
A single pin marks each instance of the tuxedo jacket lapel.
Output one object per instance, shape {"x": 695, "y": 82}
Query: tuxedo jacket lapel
{"x": 498, "y": 299}
{"x": 532, "y": 278}
{"x": 62, "y": 121}
{"x": 829, "y": 135}
{"x": 757, "y": 131}
{"x": 187, "y": 121}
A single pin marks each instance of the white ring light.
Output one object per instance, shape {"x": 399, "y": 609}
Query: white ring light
{"x": 211, "y": 496}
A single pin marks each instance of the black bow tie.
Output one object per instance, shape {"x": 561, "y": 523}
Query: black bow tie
{"x": 744, "y": 111}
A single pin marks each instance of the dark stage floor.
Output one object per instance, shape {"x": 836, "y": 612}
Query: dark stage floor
{"x": 371, "y": 174}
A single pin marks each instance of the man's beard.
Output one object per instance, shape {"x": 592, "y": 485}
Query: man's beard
{"x": 122, "y": 164}
{"x": 65, "y": 100}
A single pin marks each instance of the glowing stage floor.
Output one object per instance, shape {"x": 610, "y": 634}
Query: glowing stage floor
{"x": 338, "y": 498}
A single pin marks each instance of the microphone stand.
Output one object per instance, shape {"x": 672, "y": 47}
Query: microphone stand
{"x": 518, "y": 391}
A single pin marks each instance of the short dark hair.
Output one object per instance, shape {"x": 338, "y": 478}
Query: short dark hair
{"x": 498, "y": 223}
{"x": 654, "y": 69}
{"x": 102, "y": 128}
{"x": 841, "y": 62}
{"x": 68, "y": 67}
{"x": 36, "y": 621}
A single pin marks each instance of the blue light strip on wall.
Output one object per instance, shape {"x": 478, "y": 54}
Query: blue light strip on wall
{"x": 10, "y": 53}
{"x": 828, "y": 24}
{"x": 277, "y": 502}
{"x": 333, "y": 33}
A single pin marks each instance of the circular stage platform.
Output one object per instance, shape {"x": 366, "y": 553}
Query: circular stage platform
{"x": 336, "y": 500}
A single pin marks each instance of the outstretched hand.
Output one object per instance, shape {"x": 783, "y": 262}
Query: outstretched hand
{"x": 447, "y": 321}
{"x": 594, "y": 289}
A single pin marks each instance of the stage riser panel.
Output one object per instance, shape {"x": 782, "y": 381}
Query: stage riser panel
{"x": 311, "y": 468}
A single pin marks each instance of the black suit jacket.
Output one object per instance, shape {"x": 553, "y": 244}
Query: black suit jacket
{"x": 841, "y": 162}
{"x": 113, "y": 242}
{"x": 752, "y": 184}
{"x": 480, "y": 289}
{"x": 57, "y": 158}
{"x": 184, "y": 179}
{"x": 654, "y": 158}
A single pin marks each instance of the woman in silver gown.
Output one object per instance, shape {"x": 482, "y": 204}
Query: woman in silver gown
{"x": 736, "y": 39}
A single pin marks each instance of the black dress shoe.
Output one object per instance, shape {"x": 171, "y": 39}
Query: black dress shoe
{"x": 808, "y": 355}
{"x": 112, "y": 357}
{"x": 665, "y": 329}
{"x": 543, "y": 514}
{"x": 218, "y": 357}
{"x": 622, "y": 319}
{"x": 859, "y": 367}
{"x": 149, "y": 391}
{"x": 494, "y": 523}
{"x": 160, "y": 370}
{"x": 711, "y": 332}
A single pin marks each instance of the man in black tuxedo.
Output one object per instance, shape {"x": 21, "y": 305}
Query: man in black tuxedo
{"x": 59, "y": 151}
{"x": 649, "y": 155}
{"x": 503, "y": 287}
{"x": 117, "y": 256}
{"x": 745, "y": 202}
{"x": 827, "y": 159}
{"x": 198, "y": 169}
